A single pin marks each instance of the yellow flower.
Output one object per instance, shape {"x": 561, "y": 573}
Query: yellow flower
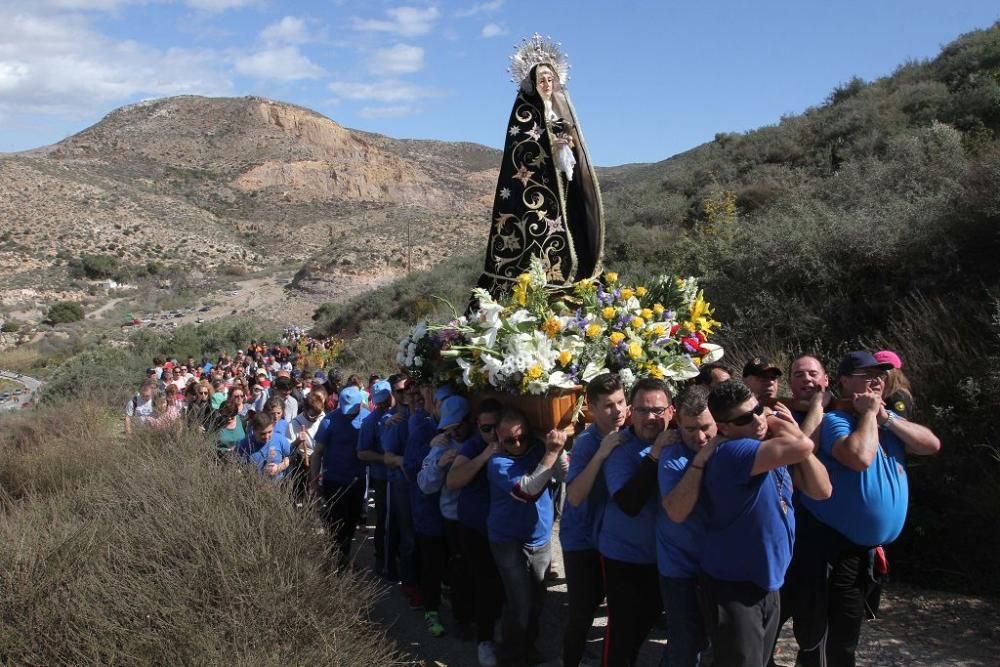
{"x": 658, "y": 309}
{"x": 617, "y": 337}
{"x": 680, "y": 283}
{"x": 637, "y": 322}
{"x": 654, "y": 371}
{"x": 565, "y": 357}
{"x": 659, "y": 331}
{"x": 593, "y": 330}
{"x": 534, "y": 372}
{"x": 634, "y": 350}
{"x": 641, "y": 291}
{"x": 646, "y": 314}
{"x": 611, "y": 277}
{"x": 520, "y": 294}
{"x": 608, "y": 312}
{"x": 701, "y": 316}
{"x": 551, "y": 327}
{"x": 524, "y": 279}
{"x": 627, "y": 293}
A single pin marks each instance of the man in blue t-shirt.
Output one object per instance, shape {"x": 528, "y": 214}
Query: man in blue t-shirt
{"x": 864, "y": 451}
{"x": 580, "y": 525}
{"x": 401, "y": 541}
{"x": 269, "y": 451}
{"x": 680, "y": 527}
{"x": 520, "y": 526}
{"x": 468, "y": 476}
{"x": 627, "y": 539}
{"x": 750, "y": 528}
{"x": 335, "y": 471}
{"x": 370, "y": 453}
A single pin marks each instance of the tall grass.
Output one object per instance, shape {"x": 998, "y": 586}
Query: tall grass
{"x": 148, "y": 551}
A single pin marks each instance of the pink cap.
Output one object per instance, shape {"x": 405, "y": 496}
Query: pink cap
{"x": 889, "y": 357}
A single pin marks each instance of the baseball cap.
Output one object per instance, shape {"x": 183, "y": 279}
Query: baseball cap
{"x": 453, "y": 411}
{"x": 349, "y": 399}
{"x": 443, "y": 392}
{"x": 888, "y": 357}
{"x": 859, "y": 360}
{"x": 319, "y": 375}
{"x": 381, "y": 391}
{"x": 761, "y": 365}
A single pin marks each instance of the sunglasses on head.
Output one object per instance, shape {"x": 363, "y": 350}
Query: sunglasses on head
{"x": 746, "y": 417}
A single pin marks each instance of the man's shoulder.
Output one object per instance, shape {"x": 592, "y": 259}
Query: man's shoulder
{"x": 676, "y": 456}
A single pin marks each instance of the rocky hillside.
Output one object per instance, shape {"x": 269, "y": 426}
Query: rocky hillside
{"x": 240, "y": 181}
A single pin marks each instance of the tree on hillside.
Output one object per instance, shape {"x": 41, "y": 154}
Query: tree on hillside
{"x": 62, "y": 312}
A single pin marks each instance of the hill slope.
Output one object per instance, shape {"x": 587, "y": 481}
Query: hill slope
{"x": 245, "y": 181}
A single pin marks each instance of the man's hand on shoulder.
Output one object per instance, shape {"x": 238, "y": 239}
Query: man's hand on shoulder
{"x": 666, "y": 438}
{"x": 609, "y": 443}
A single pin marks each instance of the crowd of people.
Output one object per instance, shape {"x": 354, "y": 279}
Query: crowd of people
{"x": 728, "y": 508}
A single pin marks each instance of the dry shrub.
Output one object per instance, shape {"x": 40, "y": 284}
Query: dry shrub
{"x": 149, "y": 551}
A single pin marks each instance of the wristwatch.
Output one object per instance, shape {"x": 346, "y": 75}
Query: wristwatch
{"x": 889, "y": 418}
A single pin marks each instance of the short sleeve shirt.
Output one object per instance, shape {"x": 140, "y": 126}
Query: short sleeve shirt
{"x": 631, "y": 539}
{"x": 678, "y": 545}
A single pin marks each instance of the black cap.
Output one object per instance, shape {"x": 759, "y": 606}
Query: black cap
{"x": 760, "y": 365}
{"x": 860, "y": 360}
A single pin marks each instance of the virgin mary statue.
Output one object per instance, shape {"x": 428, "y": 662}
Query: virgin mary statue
{"x": 547, "y": 202}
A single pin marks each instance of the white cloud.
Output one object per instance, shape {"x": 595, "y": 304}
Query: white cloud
{"x": 398, "y": 59}
{"x": 387, "y": 112}
{"x": 405, "y": 21}
{"x": 280, "y": 64}
{"x": 289, "y": 30}
{"x": 480, "y": 8}
{"x": 388, "y": 91}
{"x": 493, "y": 30}
{"x": 59, "y": 65}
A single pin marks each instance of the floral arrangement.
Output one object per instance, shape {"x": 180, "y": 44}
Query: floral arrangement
{"x": 537, "y": 339}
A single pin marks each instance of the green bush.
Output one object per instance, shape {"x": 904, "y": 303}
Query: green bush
{"x": 62, "y": 312}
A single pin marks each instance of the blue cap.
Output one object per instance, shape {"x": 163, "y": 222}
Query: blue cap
{"x": 319, "y": 375}
{"x": 381, "y": 391}
{"x": 443, "y": 392}
{"x": 860, "y": 360}
{"x": 453, "y": 411}
{"x": 349, "y": 399}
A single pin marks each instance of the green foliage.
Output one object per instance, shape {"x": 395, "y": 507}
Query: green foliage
{"x": 10, "y": 325}
{"x": 98, "y": 267}
{"x": 62, "y": 312}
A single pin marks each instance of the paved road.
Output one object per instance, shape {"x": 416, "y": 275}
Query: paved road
{"x": 18, "y": 401}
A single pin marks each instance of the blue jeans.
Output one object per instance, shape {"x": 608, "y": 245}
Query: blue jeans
{"x": 686, "y": 638}
{"x": 401, "y": 528}
{"x": 522, "y": 570}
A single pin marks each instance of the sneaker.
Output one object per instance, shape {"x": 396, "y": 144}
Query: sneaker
{"x": 433, "y": 621}
{"x": 487, "y": 654}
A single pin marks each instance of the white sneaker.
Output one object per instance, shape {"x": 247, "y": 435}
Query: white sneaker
{"x": 487, "y": 654}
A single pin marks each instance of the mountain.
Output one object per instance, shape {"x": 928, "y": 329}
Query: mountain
{"x": 234, "y": 182}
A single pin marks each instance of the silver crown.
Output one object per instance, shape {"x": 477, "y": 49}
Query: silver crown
{"x": 534, "y": 50}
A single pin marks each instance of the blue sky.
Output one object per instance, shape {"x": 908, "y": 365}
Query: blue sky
{"x": 649, "y": 79}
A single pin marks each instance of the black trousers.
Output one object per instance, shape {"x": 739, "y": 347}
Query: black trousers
{"x": 463, "y": 592}
{"x": 341, "y": 510}
{"x": 585, "y": 592}
{"x": 634, "y": 606}
{"x": 742, "y": 621}
{"x": 488, "y": 595}
{"x": 381, "y": 514}
{"x": 433, "y": 559}
{"x": 825, "y": 592}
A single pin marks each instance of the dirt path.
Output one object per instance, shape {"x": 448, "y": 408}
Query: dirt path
{"x": 917, "y": 628}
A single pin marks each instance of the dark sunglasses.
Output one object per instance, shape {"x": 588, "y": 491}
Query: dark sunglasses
{"x": 487, "y": 428}
{"x": 746, "y": 417}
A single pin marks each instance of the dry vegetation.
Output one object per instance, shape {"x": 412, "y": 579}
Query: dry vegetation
{"x": 148, "y": 551}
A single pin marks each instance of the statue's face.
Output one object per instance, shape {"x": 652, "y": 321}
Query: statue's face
{"x": 545, "y": 79}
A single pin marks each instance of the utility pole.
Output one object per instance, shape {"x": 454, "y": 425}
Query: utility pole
{"x": 409, "y": 243}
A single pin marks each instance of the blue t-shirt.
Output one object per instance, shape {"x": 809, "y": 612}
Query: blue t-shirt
{"x": 338, "y": 434}
{"x": 869, "y": 507}
{"x": 369, "y": 441}
{"x": 749, "y": 535}
{"x": 392, "y": 437}
{"x": 426, "y": 508}
{"x": 678, "y": 545}
{"x": 631, "y": 539}
{"x": 474, "y": 497}
{"x": 511, "y": 517}
{"x": 580, "y": 526}
{"x": 273, "y": 451}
